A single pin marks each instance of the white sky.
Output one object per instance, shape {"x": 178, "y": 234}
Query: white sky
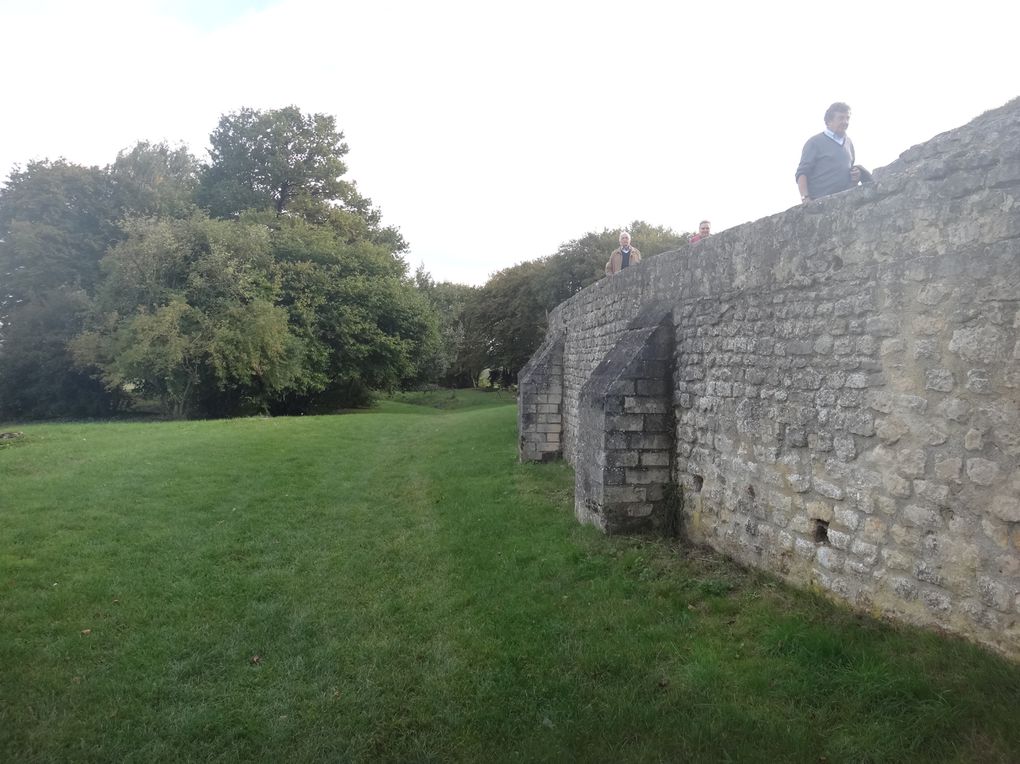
{"x": 490, "y": 133}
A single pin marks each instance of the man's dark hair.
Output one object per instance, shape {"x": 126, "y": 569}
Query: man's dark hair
{"x": 838, "y": 106}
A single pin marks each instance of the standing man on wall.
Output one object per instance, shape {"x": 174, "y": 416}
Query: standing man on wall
{"x": 827, "y": 161}
{"x": 623, "y": 256}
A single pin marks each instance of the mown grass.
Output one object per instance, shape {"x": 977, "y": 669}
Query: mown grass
{"x": 396, "y": 588}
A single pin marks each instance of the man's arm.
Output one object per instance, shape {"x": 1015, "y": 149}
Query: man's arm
{"x": 807, "y": 161}
{"x": 802, "y": 187}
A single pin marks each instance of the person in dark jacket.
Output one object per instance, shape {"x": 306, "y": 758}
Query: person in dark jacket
{"x": 827, "y": 161}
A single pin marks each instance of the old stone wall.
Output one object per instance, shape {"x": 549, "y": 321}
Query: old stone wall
{"x": 844, "y": 385}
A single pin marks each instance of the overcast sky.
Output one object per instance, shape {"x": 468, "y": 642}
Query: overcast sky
{"x": 490, "y": 133}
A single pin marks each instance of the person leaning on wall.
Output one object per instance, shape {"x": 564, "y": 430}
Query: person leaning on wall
{"x": 623, "y": 256}
{"x": 704, "y": 231}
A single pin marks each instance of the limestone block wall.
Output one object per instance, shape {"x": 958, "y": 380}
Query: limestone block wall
{"x": 540, "y": 407}
{"x": 845, "y": 384}
{"x": 625, "y": 450}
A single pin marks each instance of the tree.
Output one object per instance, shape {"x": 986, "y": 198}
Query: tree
{"x": 188, "y": 313}
{"x": 56, "y": 221}
{"x": 279, "y": 159}
{"x": 155, "y": 180}
{"x": 364, "y": 325}
{"x": 454, "y": 365}
{"x": 506, "y": 319}
{"x": 38, "y": 377}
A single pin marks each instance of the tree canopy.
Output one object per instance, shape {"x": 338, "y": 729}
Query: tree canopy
{"x": 259, "y": 281}
{"x": 506, "y": 319}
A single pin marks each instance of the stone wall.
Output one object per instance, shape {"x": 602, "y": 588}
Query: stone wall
{"x": 843, "y": 387}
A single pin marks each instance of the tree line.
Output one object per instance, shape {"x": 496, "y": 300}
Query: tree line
{"x": 260, "y": 281}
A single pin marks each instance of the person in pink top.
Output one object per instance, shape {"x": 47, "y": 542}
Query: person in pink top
{"x": 704, "y": 231}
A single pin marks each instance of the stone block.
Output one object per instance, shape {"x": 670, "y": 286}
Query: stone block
{"x": 994, "y": 593}
{"x": 838, "y": 539}
{"x": 644, "y": 405}
{"x": 985, "y": 344}
{"x": 954, "y": 409}
{"x": 621, "y": 387}
{"x": 656, "y": 388}
{"x": 875, "y": 529}
{"x": 868, "y": 553}
{"x": 978, "y": 381}
{"x": 845, "y": 448}
{"x": 910, "y": 462}
{"x": 803, "y": 548}
{"x": 829, "y": 558}
{"x": 922, "y": 517}
{"x": 639, "y": 510}
{"x": 936, "y": 601}
{"x": 622, "y": 459}
{"x": 897, "y": 486}
{"x": 828, "y": 489}
{"x": 654, "y": 459}
{"x": 819, "y": 510}
{"x": 904, "y": 588}
{"x": 948, "y": 468}
{"x": 857, "y": 380}
{"x": 847, "y": 517}
{"x": 982, "y": 471}
{"x": 646, "y": 476}
{"x": 625, "y": 423}
{"x": 936, "y": 493}
{"x": 656, "y": 423}
{"x": 939, "y": 380}
{"x": 623, "y": 494}
{"x": 891, "y": 429}
{"x": 1006, "y": 507}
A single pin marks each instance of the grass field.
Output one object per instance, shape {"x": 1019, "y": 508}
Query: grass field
{"x": 392, "y": 586}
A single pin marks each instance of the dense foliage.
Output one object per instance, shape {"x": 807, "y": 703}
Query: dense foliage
{"x": 507, "y": 318}
{"x": 260, "y": 281}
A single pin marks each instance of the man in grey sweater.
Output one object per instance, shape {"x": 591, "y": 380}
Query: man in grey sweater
{"x": 827, "y": 161}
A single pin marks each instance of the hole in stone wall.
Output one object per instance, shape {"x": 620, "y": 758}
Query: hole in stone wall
{"x": 750, "y": 491}
{"x": 821, "y": 531}
{"x": 837, "y": 263}
{"x": 699, "y": 482}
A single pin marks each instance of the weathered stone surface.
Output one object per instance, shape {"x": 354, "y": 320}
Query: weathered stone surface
{"x": 982, "y": 471}
{"x": 782, "y": 392}
{"x": 986, "y": 344}
{"x": 1006, "y": 508}
{"x": 940, "y": 380}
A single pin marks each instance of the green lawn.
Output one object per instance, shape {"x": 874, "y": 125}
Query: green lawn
{"x": 392, "y": 586}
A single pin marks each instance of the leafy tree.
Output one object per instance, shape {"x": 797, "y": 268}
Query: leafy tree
{"x": 38, "y": 377}
{"x": 364, "y": 325}
{"x": 155, "y": 180}
{"x": 289, "y": 164}
{"x": 454, "y": 364}
{"x": 293, "y": 296}
{"x": 507, "y": 319}
{"x": 188, "y": 314}
{"x": 56, "y": 221}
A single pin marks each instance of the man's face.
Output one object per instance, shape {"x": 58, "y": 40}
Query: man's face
{"x": 839, "y": 123}
{"x": 705, "y": 229}
{"x": 624, "y": 240}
